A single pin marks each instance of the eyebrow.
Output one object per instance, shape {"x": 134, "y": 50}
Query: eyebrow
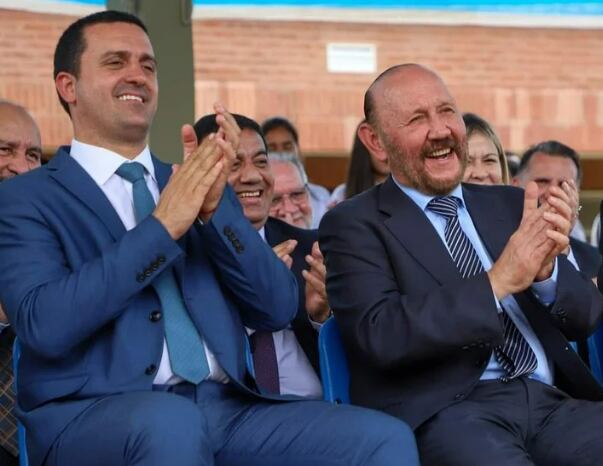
{"x": 126, "y": 54}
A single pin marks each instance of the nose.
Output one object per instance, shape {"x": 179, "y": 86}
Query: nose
{"x": 288, "y": 205}
{"x": 438, "y": 128}
{"x": 136, "y": 74}
{"x": 19, "y": 163}
{"x": 249, "y": 174}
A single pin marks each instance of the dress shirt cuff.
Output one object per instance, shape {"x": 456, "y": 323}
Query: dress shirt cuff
{"x": 572, "y": 259}
{"x": 3, "y": 326}
{"x": 546, "y": 290}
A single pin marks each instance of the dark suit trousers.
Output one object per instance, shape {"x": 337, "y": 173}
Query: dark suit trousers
{"x": 219, "y": 425}
{"x": 520, "y": 423}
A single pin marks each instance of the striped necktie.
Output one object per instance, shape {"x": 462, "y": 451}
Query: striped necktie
{"x": 515, "y": 356}
{"x": 185, "y": 346}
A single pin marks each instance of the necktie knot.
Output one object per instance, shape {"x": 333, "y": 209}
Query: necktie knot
{"x": 445, "y": 206}
{"x": 132, "y": 172}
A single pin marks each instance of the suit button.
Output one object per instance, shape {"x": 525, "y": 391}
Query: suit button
{"x": 227, "y": 231}
{"x": 563, "y": 320}
{"x": 160, "y": 259}
{"x": 150, "y": 370}
{"x": 459, "y": 396}
{"x": 154, "y": 266}
{"x": 155, "y": 316}
{"x": 148, "y": 273}
{"x": 140, "y": 278}
{"x": 465, "y": 348}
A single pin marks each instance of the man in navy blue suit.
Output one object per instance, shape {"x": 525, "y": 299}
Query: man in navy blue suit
{"x": 295, "y": 349}
{"x": 453, "y": 300}
{"x": 129, "y": 283}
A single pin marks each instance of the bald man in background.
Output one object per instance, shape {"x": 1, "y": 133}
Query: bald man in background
{"x": 20, "y": 151}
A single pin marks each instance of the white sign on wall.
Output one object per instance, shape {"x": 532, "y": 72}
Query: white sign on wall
{"x": 351, "y": 58}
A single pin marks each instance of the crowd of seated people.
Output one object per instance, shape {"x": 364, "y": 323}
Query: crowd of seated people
{"x": 170, "y": 314}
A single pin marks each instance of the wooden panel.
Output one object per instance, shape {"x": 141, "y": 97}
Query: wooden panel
{"x": 327, "y": 170}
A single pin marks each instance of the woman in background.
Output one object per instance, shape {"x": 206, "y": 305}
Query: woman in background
{"x": 364, "y": 172}
{"x": 487, "y": 162}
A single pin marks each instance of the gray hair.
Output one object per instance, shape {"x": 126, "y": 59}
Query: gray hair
{"x": 290, "y": 157}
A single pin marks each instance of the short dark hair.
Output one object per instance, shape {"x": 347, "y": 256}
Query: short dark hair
{"x": 207, "y": 125}
{"x": 72, "y": 44}
{"x": 280, "y": 122}
{"x": 554, "y": 149}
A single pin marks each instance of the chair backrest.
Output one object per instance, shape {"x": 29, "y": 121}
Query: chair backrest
{"x": 23, "y": 461}
{"x": 333, "y": 364}
{"x": 595, "y": 353}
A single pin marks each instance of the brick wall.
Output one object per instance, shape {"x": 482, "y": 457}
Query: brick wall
{"x": 531, "y": 84}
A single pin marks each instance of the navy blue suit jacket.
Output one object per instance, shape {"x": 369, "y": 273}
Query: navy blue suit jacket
{"x": 276, "y": 232}
{"x": 419, "y": 336}
{"x": 75, "y": 285}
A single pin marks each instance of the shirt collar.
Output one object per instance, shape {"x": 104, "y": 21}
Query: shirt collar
{"x": 262, "y": 233}
{"x": 101, "y": 163}
{"x": 422, "y": 199}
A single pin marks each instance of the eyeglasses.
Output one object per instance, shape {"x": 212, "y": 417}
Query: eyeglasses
{"x": 297, "y": 197}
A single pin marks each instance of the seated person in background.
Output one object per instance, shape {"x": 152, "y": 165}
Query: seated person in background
{"x": 550, "y": 163}
{"x": 129, "y": 281}
{"x": 295, "y": 350}
{"x": 20, "y": 151}
{"x": 291, "y": 200}
{"x": 453, "y": 300}
{"x": 364, "y": 172}
{"x": 486, "y": 163}
{"x": 281, "y": 136}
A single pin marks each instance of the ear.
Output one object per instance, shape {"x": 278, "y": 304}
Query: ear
{"x": 369, "y": 137}
{"x": 65, "y": 84}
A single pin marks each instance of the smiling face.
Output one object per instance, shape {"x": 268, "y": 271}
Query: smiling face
{"x": 113, "y": 99}
{"x": 484, "y": 164}
{"x": 291, "y": 201}
{"x": 421, "y": 130}
{"x": 20, "y": 145}
{"x": 252, "y": 179}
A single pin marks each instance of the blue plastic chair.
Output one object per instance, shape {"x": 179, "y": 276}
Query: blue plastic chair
{"x": 333, "y": 364}
{"x": 595, "y": 353}
{"x": 23, "y": 461}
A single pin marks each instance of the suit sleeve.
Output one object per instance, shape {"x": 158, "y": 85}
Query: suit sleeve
{"x": 263, "y": 287}
{"x": 391, "y": 326}
{"x": 578, "y": 308}
{"x": 54, "y": 306}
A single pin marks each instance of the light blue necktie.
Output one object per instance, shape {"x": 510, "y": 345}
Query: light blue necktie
{"x": 515, "y": 355}
{"x": 185, "y": 346}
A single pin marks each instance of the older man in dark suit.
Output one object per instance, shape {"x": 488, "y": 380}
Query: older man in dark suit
{"x": 454, "y": 303}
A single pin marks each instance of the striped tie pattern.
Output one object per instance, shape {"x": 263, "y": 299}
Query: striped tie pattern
{"x": 515, "y": 356}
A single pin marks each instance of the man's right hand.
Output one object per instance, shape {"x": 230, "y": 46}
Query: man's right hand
{"x": 528, "y": 248}
{"x": 3, "y": 318}
{"x": 183, "y": 196}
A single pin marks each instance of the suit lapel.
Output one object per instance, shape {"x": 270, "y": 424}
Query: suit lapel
{"x": 414, "y": 231}
{"x": 487, "y": 218}
{"x": 66, "y": 171}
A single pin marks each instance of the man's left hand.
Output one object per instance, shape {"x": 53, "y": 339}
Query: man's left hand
{"x": 558, "y": 213}
{"x": 317, "y": 305}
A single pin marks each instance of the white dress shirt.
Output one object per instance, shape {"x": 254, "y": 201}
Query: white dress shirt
{"x": 101, "y": 164}
{"x": 296, "y": 374}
